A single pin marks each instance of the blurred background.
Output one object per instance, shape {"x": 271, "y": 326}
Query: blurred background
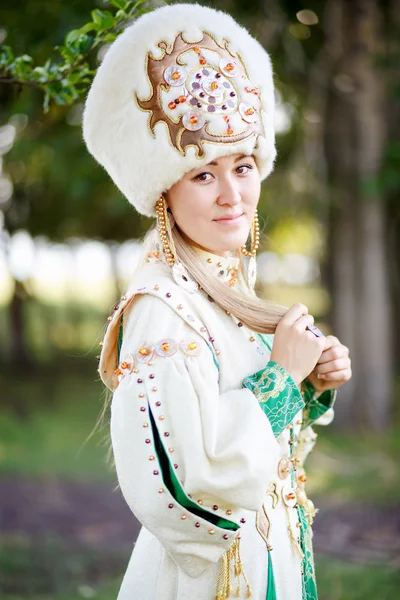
{"x": 68, "y": 246}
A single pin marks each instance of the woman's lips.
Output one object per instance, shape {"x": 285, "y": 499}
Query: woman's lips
{"x": 228, "y": 221}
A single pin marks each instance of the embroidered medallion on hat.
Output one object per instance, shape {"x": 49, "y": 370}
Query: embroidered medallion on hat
{"x": 201, "y": 91}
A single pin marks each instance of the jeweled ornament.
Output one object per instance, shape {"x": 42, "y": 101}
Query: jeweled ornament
{"x": 175, "y": 75}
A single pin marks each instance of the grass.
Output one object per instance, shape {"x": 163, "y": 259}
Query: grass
{"x": 50, "y": 437}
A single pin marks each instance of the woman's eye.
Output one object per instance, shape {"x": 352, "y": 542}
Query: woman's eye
{"x": 201, "y": 176}
{"x": 248, "y": 167}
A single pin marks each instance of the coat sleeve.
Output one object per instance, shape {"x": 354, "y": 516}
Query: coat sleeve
{"x": 190, "y": 460}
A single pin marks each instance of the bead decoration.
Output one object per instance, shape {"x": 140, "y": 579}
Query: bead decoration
{"x": 190, "y": 348}
{"x": 166, "y": 347}
{"x": 175, "y": 75}
{"x": 145, "y": 353}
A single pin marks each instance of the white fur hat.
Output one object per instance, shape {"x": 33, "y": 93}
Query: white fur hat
{"x": 180, "y": 87}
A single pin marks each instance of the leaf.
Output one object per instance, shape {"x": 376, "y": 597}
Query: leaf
{"x": 122, "y": 4}
{"x": 103, "y": 19}
{"x": 6, "y": 55}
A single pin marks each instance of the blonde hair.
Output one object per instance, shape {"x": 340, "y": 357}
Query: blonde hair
{"x": 254, "y": 312}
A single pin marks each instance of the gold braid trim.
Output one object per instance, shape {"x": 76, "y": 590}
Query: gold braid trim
{"x": 224, "y": 583}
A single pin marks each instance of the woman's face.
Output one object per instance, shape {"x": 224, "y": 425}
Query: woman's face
{"x": 214, "y": 206}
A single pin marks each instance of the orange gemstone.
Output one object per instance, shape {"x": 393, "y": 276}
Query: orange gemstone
{"x": 197, "y": 50}
{"x": 172, "y": 105}
{"x": 176, "y": 75}
{"x": 144, "y": 351}
{"x": 165, "y": 347}
{"x": 214, "y": 85}
{"x": 230, "y": 67}
{"x": 302, "y": 478}
{"x": 117, "y": 372}
{"x": 182, "y": 99}
{"x": 202, "y": 60}
{"x": 249, "y": 111}
{"x": 230, "y": 131}
{"x": 232, "y": 282}
{"x": 124, "y": 365}
{"x": 226, "y": 119}
{"x": 193, "y": 120}
{"x": 291, "y": 496}
{"x": 192, "y": 346}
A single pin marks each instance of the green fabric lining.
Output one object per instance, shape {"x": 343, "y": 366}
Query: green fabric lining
{"x": 271, "y": 590}
{"x": 120, "y": 336}
{"x": 316, "y": 407}
{"x": 175, "y": 489}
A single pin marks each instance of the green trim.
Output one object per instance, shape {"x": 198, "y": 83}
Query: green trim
{"x": 174, "y": 487}
{"x": 315, "y": 407}
{"x": 309, "y": 584}
{"x": 277, "y": 393}
{"x": 120, "y": 336}
{"x": 271, "y": 590}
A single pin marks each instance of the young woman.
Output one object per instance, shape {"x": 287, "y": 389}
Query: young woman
{"x": 215, "y": 391}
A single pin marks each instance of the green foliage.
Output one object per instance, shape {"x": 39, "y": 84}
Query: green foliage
{"x": 66, "y": 76}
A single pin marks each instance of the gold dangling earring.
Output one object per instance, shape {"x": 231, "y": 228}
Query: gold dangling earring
{"x": 164, "y": 229}
{"x": 255, "y": 241}
{"x": 179, "y": 272}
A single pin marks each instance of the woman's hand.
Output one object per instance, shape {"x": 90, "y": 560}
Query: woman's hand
{"x": 333, "y": 368}
{"x": 295, "y": 348}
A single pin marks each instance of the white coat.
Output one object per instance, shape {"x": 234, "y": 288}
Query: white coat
{"x": 198, "y": 460}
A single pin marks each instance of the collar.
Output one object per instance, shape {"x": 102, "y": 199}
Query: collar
{"x": 226, "y": 268}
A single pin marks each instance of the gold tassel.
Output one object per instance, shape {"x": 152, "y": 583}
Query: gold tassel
{"x": 295, "y": 543}
{"x": 224, "y": 583}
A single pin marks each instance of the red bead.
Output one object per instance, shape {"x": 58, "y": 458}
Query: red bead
{"x": 151, "y": 376}
{"x": 197, "y": 524}
{"x": 116, "y": 307}
{"x": 155, "y": 472}
{"x": 242, "y": 520}
{"x": 142, "y": 408}
{"x": 147, "y": 440}
{"x": 176, "y": 466}
{"x": 166, "y": 434}
{"x": 140, "y": 380}
{"x": 225, "y": 536}
{"x": 215, "y": 507}
{"x": 170, "y": 505}
{"x": 158, "y": 403}
{"x": 212, "y": 340}
{"x": 168, "y": 294}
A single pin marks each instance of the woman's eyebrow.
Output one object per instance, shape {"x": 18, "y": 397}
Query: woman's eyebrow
{"x": 215, "y": 164}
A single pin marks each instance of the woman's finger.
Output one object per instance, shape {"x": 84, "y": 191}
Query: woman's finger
{"x": 303, "y": 322}
{"x": 333, "y": 353}
{"x": 338, "y": 364}
{"x": 337, "y": 376}
{"x": 294, "y": 313}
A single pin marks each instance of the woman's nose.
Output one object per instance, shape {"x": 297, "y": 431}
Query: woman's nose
{"x": 229, "y": 194}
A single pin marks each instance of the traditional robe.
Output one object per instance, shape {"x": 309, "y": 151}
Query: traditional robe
{"x": 209, "y": 438}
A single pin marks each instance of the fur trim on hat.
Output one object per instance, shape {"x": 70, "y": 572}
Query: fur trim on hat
{"x": 132, "y": 124}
